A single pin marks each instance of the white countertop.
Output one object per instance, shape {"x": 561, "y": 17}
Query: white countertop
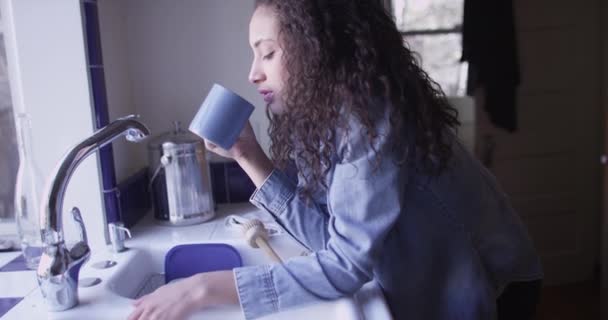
{"x": 149, "y": 235}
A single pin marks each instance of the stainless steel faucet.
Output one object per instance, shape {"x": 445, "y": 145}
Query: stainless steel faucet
{"x": 59, "y": 267}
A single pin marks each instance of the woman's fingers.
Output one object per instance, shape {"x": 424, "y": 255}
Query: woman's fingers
{"x": 147, "y": 314}
{"x": 141, "y": 299}
{"x": 210, "y": 145}
{"x": 135, "y": 314}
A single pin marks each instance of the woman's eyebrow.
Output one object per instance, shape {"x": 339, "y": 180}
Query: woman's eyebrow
{"x": 257, "y": 43}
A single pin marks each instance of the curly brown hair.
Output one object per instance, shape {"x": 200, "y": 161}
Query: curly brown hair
{"x": 340, "y": 56}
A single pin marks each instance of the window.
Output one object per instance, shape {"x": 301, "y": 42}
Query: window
{"x": 9, "y": 160}
{"x": 432, "y": 29}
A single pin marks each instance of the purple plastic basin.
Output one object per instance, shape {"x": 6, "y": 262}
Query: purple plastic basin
{"x": 189, "y": 259}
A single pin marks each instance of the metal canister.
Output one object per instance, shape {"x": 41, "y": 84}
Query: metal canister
{"x": 180, "y": 182}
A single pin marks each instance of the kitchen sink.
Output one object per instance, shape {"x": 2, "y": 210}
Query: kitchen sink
{"x": 142, "y": 272}
{"x": 109, "y": 282}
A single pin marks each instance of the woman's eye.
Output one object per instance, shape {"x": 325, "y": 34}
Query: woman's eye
{"x": 268, "y": 56}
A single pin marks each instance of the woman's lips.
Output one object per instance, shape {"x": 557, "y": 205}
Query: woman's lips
{"x": 267, "y": 95}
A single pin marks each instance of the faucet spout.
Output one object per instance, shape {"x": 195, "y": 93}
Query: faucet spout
{"x": 59, "y": 267}
{"x": 51, "y": 217}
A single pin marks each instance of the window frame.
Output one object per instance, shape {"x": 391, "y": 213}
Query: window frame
{"x": 388, "y": 5}
{"x": 405, "y": 34}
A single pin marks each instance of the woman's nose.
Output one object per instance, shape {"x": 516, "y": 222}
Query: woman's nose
{"x": 256, "y": 75}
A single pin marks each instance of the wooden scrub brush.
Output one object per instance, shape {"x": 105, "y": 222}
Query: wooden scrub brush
{"x": 257, "y": 237}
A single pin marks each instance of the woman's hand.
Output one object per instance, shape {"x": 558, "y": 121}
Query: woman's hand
{"x": 181, "y": 299}
{"x": 249, "y": 155}
{"x": 245, "y": 145}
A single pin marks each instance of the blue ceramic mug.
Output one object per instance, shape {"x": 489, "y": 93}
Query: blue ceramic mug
{"x": 221, "y": 117}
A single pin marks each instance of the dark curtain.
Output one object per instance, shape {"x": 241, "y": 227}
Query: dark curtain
{"x": 489, "y": 45}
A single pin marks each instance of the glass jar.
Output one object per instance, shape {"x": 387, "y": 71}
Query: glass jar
{"x": 28, "y": 195}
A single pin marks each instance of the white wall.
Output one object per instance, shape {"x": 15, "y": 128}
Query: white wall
{"x": 48, "y": 77}
{"x": 161, "y": 57}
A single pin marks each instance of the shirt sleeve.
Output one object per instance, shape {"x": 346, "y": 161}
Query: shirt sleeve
{"x": 364, "y": 203}
{"x": 307, "y": 223}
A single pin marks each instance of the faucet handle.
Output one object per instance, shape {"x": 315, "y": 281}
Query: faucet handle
{"x": 81, "y": 250}
{"x": 80, "y": 224}
{"x": 117, "y": 232}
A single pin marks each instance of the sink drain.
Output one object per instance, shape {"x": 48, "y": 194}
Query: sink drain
{"x": 88, "y": 282}
{"x": 104, "y": 264}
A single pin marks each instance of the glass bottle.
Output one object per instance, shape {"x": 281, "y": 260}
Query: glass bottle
{"x": 28, "y": 194}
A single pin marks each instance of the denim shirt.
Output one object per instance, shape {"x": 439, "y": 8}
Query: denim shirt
{"x": 440, "y": 247}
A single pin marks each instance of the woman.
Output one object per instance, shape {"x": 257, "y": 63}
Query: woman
{"x": 366, "y": 173}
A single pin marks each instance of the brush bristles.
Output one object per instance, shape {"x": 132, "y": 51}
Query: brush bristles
{"x": 251, "y": 224}
{"x": 254, "y": 229}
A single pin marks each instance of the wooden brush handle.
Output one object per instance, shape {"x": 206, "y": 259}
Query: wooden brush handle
{"x": 262, "y": 243}
{"x": 256, "y": 235}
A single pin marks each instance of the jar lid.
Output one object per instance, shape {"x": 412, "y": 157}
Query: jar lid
{"x": 177, "y": 136}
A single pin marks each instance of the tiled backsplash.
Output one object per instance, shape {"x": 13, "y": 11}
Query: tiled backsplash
{"x": 230, "y": 183}
{"x": 134, "y": 197}
{"x": 100, "y": 105}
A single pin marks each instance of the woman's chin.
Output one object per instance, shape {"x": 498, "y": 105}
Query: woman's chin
{"x": 275, "y": 108}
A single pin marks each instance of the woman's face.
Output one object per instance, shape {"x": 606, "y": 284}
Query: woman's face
{"x": 267, "y": 66}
